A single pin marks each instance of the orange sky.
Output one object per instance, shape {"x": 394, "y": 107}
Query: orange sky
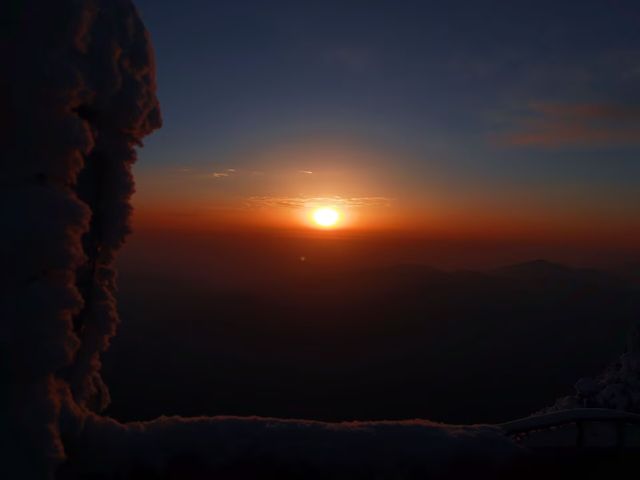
{"x": 288, "y": 182}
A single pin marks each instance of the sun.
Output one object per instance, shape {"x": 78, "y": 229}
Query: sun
{"x": 326, "y": 217}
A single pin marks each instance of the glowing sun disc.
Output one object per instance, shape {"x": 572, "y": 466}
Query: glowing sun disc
{"x": 326, "y": 217}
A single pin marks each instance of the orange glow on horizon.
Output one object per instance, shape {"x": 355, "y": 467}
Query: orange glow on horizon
{"x": 402, "y": 221}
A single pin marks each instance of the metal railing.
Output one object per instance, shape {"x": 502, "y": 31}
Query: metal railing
{"x": 580, "y": 417}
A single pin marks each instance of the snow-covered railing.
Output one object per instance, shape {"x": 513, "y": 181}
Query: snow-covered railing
{"x": 579, "y": 417}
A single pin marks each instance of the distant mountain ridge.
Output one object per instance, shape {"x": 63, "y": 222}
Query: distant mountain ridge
{"x": 535, "y": 267}
{"x": 538, "y": 270}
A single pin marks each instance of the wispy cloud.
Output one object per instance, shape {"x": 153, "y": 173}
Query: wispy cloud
{"x": 313, "y": 202}
{"x": 226, "y": 173}
{"x": 589, "y": 111}
{"x": 306, "y": 172}
{"x": 551, "y": 125}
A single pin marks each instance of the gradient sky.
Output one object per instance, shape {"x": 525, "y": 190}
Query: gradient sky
{"x": 494, "y": 117}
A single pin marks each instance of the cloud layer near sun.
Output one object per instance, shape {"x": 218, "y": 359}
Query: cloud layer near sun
{"x": 315, "y": 202}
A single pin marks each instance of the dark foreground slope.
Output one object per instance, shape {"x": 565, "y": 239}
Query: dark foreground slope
{"x": 378, "y": 343}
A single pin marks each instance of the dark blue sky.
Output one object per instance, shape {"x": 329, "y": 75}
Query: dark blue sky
{"x": 541, "y": 97}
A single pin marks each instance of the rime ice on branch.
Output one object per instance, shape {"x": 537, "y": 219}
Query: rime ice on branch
{"x": 78, "y": 96}
{"x": 618, "y": 387}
